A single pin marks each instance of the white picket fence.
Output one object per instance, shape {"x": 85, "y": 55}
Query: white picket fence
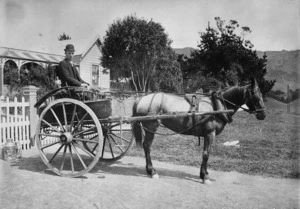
{"x": 14, "y": 123}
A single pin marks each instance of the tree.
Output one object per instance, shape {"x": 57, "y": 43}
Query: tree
{"x": 11, "y": 73}
{"x": 64, "y": 37}
{"x": 29, "y": 74}
{"x": 168, "y": 75}
{"x": 137, "y": 50}
{"x": 228, "y": 57}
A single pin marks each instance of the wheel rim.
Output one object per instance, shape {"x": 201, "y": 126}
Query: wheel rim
{"x": 63, "y": 128}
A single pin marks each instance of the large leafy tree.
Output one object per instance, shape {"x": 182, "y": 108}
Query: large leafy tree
{"x": 138, "y": 50}
{"x": 228, "y": 57}
{"x": 168, "y": 75}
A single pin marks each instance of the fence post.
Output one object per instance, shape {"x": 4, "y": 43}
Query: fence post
{"x": 288, "y": 99}
{"x": 30, "y": 96}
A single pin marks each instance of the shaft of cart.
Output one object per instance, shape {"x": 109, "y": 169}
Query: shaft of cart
{"x": 129, "y": 119}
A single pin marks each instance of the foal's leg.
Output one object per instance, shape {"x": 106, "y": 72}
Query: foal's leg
{"x": 150, "y": 129}
{"x": 208, "y": 140}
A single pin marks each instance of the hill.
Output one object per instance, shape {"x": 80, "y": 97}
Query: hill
{"x": 185, "y": 51}
{"x": 284, "y": 66}
{"x": 272, "y": 104}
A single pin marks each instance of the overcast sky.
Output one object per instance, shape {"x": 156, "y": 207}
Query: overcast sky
{"x": 35, "y": 24}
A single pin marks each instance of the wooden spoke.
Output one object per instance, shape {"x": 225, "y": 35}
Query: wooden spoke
{"x": 83, "y": 149}
{"x": 44, "y": 136}
{"x": 50, "y": 135}
{"x": 114, "y": 125}
{"x": 89, "y": 140}
{"x": 54, "y": 128}
{"x": 61, "y": 146}
{"x": 118, "y": 140}
{"x": 50, "y": 145}
{"x": 110, "y": 147}
{"x": 73, "y": 116}
{"x": 65, "y": 116}
{"x": 118, "y": 145}
{"x": 63, "y": 159}
{"x": 95, "y": 148}
{"x": 122, "y": 138}
{"x": 78, "y": 155}
{"x": 81, "y": 132}
{"x": 71, "y": 159}
{"x": 80, "y": 122}
{"x": 104, "y": 143}
{"x": 57, "y": 119}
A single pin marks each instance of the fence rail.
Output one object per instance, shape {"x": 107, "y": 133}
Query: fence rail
{"x": 14, "y": 122}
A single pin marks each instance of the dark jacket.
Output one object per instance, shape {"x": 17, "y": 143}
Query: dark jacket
{"x": 68, "y": 74}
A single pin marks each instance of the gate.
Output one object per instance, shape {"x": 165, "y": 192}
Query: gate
{"x": 14, "y": 121}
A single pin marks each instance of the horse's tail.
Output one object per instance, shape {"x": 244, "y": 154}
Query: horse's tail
{"x": 137, "y": 126}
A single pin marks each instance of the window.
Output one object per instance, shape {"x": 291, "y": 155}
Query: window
{"x": 95, "y": 75}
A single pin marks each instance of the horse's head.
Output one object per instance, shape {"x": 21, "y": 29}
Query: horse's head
{"x": 254, "y": 100}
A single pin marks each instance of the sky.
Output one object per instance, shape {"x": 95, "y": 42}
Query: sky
{"x": 37, "y": 24}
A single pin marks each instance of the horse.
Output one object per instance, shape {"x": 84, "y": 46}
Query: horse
{"x": 202, "y": 126}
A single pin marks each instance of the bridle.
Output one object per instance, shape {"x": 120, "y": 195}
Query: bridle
{"x": 220, "y": 96}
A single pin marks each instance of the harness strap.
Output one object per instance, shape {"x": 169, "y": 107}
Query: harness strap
{"x": 237, "y": 106}
{"x": 160, "y": 105}
{"x": 200, "y": 122}
{"x": 227, "y": 118}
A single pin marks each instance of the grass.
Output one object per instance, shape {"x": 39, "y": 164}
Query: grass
{"x": 269, "y": 147}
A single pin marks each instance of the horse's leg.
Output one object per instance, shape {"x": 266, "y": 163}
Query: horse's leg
{"x": 208, "y": 140}
{"x": 150, "y": 129}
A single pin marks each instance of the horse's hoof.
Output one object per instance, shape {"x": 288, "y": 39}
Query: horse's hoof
{"x": 155, "y": 176}
{"x": 206, "y": 181}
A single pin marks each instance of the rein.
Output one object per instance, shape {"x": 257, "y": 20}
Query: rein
{"x": 220, "y": 96}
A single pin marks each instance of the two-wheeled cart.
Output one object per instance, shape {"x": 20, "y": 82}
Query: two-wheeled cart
{"x": 76, "y": 130}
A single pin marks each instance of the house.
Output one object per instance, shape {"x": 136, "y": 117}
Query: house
{"x": 86, "y": 59}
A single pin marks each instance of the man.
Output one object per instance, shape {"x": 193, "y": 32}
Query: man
{"x": 67, "y": 72}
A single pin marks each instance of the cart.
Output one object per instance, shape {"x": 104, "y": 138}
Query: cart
{"x": 76, "y": 130}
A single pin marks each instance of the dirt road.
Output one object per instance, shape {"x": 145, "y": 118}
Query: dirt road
{"x": 28, "y": 184}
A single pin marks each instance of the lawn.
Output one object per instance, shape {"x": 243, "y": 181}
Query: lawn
{"x": 269, "y": 147}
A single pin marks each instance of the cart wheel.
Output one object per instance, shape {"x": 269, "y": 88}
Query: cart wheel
{"x": 117, "y": 141}
{"x": 63, "y": 128}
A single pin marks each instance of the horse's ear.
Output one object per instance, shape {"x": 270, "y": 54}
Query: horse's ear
{"x": 253, "y": 82}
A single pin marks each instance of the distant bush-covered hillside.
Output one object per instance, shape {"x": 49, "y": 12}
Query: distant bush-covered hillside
{"x": 186, "y": 51}
{"x": 284, "y": 66}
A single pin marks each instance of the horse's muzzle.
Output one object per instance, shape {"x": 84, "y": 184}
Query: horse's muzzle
{"x": 260, "y": 115}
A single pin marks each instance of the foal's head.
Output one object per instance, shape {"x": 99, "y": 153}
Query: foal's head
{"x": 254, "y": 100}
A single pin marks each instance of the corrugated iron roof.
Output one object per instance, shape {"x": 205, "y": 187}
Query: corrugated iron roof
{"x": 29, "y": 55}
{"x": 55, "y": 51}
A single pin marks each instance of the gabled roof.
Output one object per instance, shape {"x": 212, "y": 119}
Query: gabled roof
{"x": 82, "y": 46}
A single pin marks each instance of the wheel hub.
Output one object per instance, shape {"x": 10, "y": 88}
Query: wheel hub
{"x": 66, "y": 138}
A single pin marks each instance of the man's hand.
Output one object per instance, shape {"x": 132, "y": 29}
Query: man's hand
{"x": 85, "y": 85}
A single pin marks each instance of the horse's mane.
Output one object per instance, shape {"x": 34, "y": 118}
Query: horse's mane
{"x": 235, "y": 94}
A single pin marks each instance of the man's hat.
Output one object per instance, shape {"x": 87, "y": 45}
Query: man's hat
{"x": 70, "y": 47}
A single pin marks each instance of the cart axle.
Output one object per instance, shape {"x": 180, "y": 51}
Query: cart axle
{"x": 66, "y": 138}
